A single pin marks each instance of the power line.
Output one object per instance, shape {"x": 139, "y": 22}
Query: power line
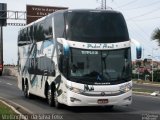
{"x": 135, "y": 30}
{"x": 141, "y": 30}
{"x": 147, "y": 19}
{"x": 144, "y": 43}
{"x": 124, "y": 5}
{"x": 139, "y": 33}
{"x": 148, "y": 5}
{"x": 152, "y": 11}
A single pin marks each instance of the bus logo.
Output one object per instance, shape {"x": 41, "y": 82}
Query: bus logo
{"x": 99, "y": 78}
{"x": 88, "y": 88}
{"x": 103, "y": 93}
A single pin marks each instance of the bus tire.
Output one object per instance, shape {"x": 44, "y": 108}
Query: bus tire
{"x": 1, "y": 73}
{"x": 50, "y": 97}
{"x": 56, "y": 103}
{"x": 26, "y": 91}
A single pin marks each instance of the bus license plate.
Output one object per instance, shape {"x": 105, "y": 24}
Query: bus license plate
{"x": 102, "y": 101}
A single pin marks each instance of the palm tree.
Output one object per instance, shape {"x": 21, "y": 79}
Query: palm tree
{"x": 156, "y": 35}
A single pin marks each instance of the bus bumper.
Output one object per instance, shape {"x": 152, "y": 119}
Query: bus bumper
{"x": 75, "y": 99}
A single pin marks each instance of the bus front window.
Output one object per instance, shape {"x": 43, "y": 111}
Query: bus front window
{"x": 99, "y": 66}
{"x": 100, "y": 27}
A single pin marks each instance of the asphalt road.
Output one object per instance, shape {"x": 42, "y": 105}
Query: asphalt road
{"x": 143, "y": 107}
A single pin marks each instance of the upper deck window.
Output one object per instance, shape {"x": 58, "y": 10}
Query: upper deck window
{"x": 97, "y": 27}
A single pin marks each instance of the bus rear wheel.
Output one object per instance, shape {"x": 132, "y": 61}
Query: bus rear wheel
{"x": 26, "y": 91}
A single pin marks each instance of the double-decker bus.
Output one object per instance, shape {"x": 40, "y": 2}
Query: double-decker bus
{"x": 77, "y": 58}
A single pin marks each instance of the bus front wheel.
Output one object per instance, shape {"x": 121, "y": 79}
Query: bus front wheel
{"x": 56, "y": 103}
{"x": 50, "y": 97}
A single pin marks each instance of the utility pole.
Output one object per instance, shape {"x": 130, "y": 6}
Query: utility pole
{"x": 1, "y": 49}
{"x": 3, "y": 14}
{"x": 104, "y": 4}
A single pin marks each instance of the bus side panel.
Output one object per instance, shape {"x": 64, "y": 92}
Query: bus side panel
{"x": 22, "y": 66}
{"x": 43, "y": 69}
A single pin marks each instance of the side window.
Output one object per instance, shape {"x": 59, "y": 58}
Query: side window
{"x": 63, "y": 66}
{"x": 26, "y": 36}
{"x": 39, "y": 31}
{"x": 59, "y": 25}
{"x": 22, "y": 38}
{"x": 48, "y": 28}
{"x": 30, "y": 34}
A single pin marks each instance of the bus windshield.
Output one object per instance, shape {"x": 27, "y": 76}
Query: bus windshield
{"x": 96, "y": 66}
{"x": 97, "y": 27}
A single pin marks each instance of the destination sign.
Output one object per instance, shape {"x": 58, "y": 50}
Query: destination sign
{"x": 103, "y": 46}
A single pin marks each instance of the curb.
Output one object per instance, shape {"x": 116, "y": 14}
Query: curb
{"x": 18, "y": 109}
{"x": 148, "y": 84}
{"x": 143, "y": 93}
{"x": 19, "y": 115}
{"x": 10, "y": 107}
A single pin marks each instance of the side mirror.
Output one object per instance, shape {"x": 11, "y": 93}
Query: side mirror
{"x": 138, "y": 52}
{"x": 138, "y": 48}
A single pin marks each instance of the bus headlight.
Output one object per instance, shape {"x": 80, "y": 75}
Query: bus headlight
{"x": 73, "y": 89}
{"x": 125, "y": 88}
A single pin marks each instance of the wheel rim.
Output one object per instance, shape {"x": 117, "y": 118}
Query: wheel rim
{"x": 25, "y": 90}
{"x": 55, "y": 99}
{"x": 49, "y": 96}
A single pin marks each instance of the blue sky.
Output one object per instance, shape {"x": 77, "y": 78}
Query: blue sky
{"x": 142, "y": 17}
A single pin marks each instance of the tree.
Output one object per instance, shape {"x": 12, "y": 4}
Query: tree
{"x": 156, "y": 75}
{"x": 156, "y": 35}
{"x": 138, "y": 63}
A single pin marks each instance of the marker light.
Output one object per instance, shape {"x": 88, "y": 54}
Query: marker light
{"x": 65, "y": 47}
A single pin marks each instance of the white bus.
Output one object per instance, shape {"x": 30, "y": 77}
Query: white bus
{"x": 77, "y": 58}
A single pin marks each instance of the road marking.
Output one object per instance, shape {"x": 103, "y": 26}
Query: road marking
{"x": 8, "y": 83}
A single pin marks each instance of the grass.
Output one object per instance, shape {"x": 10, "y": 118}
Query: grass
{"x": 142, "y": 90}
{"x": 5, "y": 109}
{"x": 143, "y": 81}
{"x": 6, "y": 112}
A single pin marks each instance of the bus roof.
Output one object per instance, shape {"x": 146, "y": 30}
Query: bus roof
{"x": 72, "y": 10}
